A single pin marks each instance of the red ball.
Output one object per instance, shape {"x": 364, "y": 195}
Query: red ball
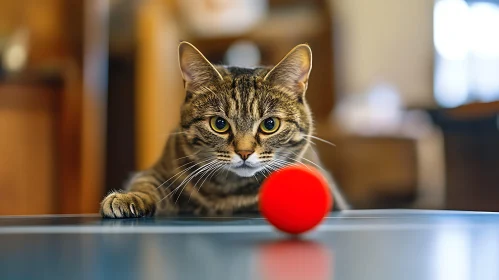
{"x": 295, "y": 199}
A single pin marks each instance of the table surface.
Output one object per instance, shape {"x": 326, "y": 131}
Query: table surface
{"x": 357, "y": 244}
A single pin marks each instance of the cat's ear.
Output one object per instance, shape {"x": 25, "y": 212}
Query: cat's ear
{"x": 196, "y": 69}
{"x": 293, "y": 70}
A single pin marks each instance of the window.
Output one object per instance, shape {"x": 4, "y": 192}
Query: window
{"x": 466, "y": 38}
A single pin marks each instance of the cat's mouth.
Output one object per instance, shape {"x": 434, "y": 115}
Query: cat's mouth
{"x": 245, "y": 165}
{"x": 245, "y": 169}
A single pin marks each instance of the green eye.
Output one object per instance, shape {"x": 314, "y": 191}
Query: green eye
{"x": 270, "y": 125}
{"x": 219, "y": 125}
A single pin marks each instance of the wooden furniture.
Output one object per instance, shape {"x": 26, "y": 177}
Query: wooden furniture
{"x": 373, "y": 172}
{"x": 53, "y": 113}
{"x": 159, "y": 89}
{"x": 471, "y": 139}
{"x": 39, "y": 147}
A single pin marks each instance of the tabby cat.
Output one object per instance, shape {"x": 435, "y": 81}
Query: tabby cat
{"x": 237, "y": 126}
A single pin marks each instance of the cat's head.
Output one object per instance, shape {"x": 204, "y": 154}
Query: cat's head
{"x": 246, "y": 120}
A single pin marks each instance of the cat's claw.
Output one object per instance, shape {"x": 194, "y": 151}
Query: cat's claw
{"x": 125, "y": 205}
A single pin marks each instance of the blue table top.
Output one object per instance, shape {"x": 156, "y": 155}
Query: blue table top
{"x": 356, "y": 244}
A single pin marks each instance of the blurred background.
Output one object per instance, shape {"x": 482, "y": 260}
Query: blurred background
{"x": 407, "y": 90}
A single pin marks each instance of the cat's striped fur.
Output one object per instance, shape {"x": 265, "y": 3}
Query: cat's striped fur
{"x": 203, "y": 172}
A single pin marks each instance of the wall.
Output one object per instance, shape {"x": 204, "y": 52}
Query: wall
{"x": 386, "y": 41}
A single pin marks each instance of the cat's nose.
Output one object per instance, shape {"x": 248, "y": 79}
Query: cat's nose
{"x": 244, "y": 154}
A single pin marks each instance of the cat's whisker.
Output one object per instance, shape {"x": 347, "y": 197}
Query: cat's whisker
{"x": 254, "y": 175}
{"x": 320, "y": 139}
{"x": 207, "y": 173}
{"x": 309, "y": 161}
{"x": 273, "y": 168}
{"x": 202, "y": 172}
{"x": 192, "y": 176}
{"x": 282, "y": 163}
{"x": 215, "y": 170}
{"x": 309, "y": 141}
{"x": 277, "y": 161}
{"x": 299, "y": 162}
{"x": 188, "y": 177}
{"x": 262, "y": 172}
{"x": 275, "y": 164}
{"x": 197, "y": 162}
{"x": 184, "y": 164}
{"x": 182, "y": 172}
{"x": 178, "y": 173}
{"x": 267, "y": 168}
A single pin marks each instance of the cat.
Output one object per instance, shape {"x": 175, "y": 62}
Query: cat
{"x": 237, "y": 126}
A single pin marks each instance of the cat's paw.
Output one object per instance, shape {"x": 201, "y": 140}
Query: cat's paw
{"x": 126, "y": 205}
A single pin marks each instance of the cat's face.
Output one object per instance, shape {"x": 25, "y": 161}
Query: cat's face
{"x": 246, "y": 120}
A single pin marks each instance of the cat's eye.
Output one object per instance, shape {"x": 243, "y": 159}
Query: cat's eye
{"x": 219, "y": 124}
{"x": 270, "y": 125}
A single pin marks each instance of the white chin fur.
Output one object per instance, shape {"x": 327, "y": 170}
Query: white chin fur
{"x": 244, "y": 172}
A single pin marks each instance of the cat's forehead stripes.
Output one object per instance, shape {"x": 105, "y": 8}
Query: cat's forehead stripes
{"x": 243, "y": 93}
